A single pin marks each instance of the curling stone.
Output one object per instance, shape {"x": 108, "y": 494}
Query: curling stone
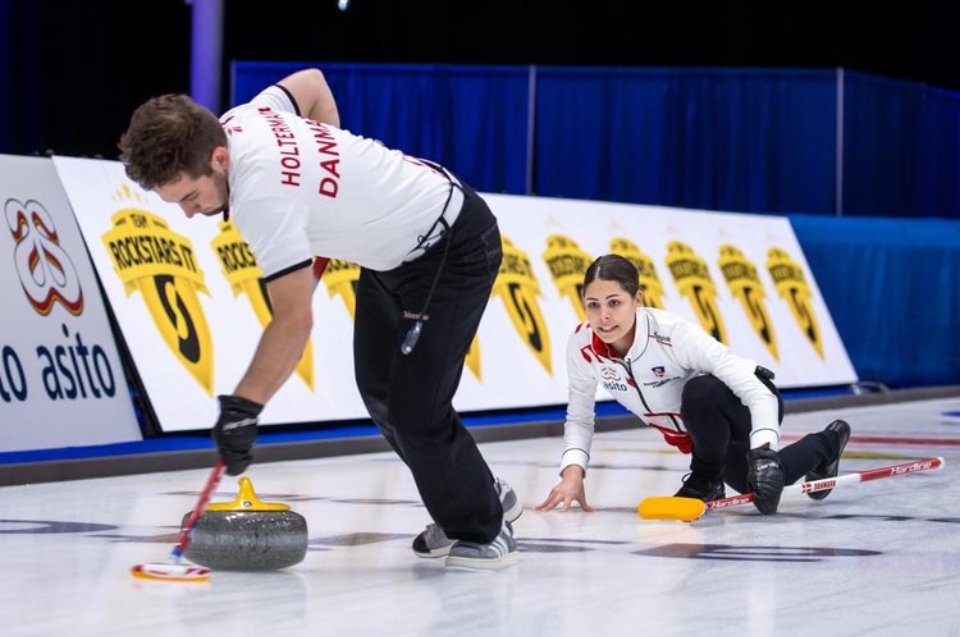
{"x": 248, "y": 534}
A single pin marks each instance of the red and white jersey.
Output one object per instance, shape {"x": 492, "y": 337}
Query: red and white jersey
{"x": 299, "y": 188}
{"x": 667, "y": 352}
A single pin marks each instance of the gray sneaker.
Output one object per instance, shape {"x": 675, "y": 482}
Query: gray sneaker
{"x": 433, "y": 542}
{"x": 500, "y": 553}
{"x": 512, "y": 509}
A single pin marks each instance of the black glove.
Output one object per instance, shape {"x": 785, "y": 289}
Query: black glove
{"x": 235, "y": 432}
{"x": 765, "y": 479}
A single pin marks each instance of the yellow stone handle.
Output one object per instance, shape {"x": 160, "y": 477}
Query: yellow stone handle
{"x": 247, "y": 500}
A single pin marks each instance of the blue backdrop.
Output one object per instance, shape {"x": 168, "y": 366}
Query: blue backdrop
{"x": 744, "y": 140}
{"x": 901, "y": 148}
{"x": 748, "y": 140}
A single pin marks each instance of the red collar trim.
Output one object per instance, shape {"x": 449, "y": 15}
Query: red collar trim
{"x": 601, "y": 348}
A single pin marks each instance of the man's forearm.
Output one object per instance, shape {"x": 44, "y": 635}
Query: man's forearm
{"x": 280, "y": 348}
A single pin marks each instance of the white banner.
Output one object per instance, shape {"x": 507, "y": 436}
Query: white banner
{"x": 61, "y": 380}
{"x": 187, "y": 296}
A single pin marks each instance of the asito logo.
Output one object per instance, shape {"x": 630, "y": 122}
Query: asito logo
{"x": 609, "y": 373}
{"x": 611, "y": 379}
{"x": 517, "y": 285}
{"x": 151, "y": 258}
{"x": 46, "y": 272}
{"x": 244, "y": 276}
{"x": 72, "y": 369}
{"x": 745, "y": 285}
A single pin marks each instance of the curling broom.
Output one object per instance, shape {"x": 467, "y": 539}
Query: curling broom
{"x": 690, "y": 509}
{"x": 174, "y": 571}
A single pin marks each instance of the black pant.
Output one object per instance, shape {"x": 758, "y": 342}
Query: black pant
{"x": 409, "y": 397}
{"x": 720, "y": 425}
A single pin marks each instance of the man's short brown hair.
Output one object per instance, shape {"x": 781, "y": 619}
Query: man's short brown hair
{"x": 169, "y": 135}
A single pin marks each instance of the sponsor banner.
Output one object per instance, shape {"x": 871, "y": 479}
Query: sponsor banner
{"x": 61, "y": 380}
{"x": 188, "y": 297}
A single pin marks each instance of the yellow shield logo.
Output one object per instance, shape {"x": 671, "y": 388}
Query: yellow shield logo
{"x": 149, "y": 257}
{"x": 692, "y": 277}
{"x": 794, "y": 289}
{"x": 517, "y": 286}
{"x": 567, "y": 264}
{"x": 745, "y": 286}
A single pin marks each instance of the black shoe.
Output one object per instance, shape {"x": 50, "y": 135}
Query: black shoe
{"x": 830, "y": 469}
{"x": 699, "y": 487}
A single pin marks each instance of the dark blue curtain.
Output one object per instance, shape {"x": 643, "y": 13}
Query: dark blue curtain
{"x": 901, "y": 145}
{"x": 7, "y": 85}
{"x": 940, "y": 194}
{"x": 749, "y": 140}
{"x": 473, "y": 120}
{"x": 893, "y": 289}
{"x": 741, "y": 140}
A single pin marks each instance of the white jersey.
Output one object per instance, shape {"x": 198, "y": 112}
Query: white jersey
{"x": 300, "y": 189}
{"x": 667, "y": 352}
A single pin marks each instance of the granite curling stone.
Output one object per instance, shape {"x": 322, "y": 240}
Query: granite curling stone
{"x": 248, "y": 534}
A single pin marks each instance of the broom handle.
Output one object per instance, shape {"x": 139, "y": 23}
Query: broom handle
{"x": 184, "y": 538}
{"x": 927, "y": 464}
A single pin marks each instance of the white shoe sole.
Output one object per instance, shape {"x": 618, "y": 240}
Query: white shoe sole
{"x": 479, "y": 564}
